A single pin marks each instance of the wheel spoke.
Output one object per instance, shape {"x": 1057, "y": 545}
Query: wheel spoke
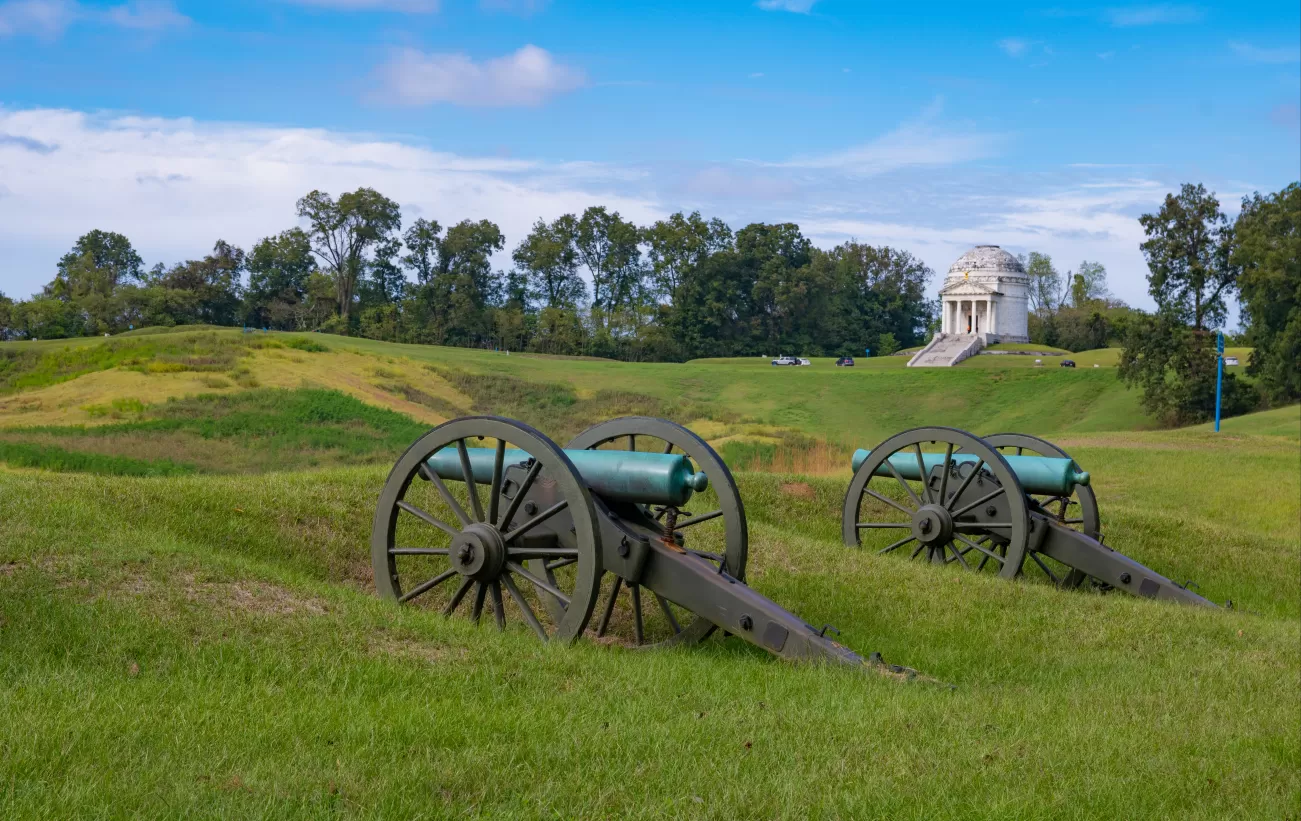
{"x": 632, "y": 442}
{"x": 429, "y": 585}
{"x": 976, "y": 527}
{"x": 888, "y": 501}
{"x": 979, "y": 502}
{"x": 470, "y": 487}
{"x": 498, "y": 606}
{"x": 920, "y": 545}
{"x": 460, "y": 594}
{"x": 975, "y": 546}
{"x": 638, "y": 630}
{"x": 535, "y": 521}
{"x": 695, "y": 520}
{"x": 921, "y": 471}
{"x": 865, "y": 525}
{"x": 517, "y": 568}
{"x": 897, "y": 544}
{"x": 427, "y": 518}
{"x": 520, "y": 493}
{"x": 524, "y": 607}
{"x": 559, "y": 563}
{"x": 417, "y": 551}
{"x": 609, "y": 607}
{"x": 980, "y": 464}
{"x": 668, "y": 448}
{"x": 494, "y": 490}
{"x": 1045, "y": 569}
{"x": 437, "y": 482}
{"x": 668, "y": 614}
{"x": 541, "y": 552}
{"x": 902, "y": 483}
{"x": 957, "y": 554}
{"x": 944, "y": 475}
{"x": 480, "y": 594}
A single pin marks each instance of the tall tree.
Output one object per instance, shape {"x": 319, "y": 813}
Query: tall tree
{"x": 680, "y": 243}
{"x": 1268, "y": 251}
{"x": 1188, "y": 254}
{"x": 1045, "y": 283}
{"x": 112, "y": 259}
{"x": 278, "y": 268}
{"x": 548, "y": 261}
{"x": 773, "y": 256}
{"x": 608, "y": 246}
{"x": 422, "y": 239}
{"x": 343, "y": 231}
{"x": 1088, "y": 284}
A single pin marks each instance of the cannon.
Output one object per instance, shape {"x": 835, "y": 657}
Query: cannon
{"x": 484, "y": 508}
{"x": 1003, "y": 504}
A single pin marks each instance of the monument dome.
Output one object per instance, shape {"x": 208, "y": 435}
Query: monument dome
{"x": 986, "y": 294}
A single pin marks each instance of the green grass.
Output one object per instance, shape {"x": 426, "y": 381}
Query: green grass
{"x": 210, "y": 644}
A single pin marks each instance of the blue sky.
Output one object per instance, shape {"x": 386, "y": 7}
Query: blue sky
{"x": 930, "y": 127}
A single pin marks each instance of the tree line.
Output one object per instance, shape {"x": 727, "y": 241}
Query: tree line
{"x": 590, "y": 283}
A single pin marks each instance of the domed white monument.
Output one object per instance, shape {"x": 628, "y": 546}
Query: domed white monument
{"x": 986, "y": 294}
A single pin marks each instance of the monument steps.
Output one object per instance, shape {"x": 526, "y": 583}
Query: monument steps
{"x": 947, "y": 350}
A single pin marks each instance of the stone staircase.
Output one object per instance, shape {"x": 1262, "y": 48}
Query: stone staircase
{"x": 947, "y": 350}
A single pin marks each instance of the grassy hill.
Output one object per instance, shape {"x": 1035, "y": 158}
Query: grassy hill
{"x": 207, "y": 641}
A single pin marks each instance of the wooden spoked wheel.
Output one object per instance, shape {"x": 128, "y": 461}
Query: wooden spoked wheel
{"x": 974, "y": 514}
{"x": 454, "y": 545}
{"x": 714, "y": 530}
{"x": 1078, "y": 511}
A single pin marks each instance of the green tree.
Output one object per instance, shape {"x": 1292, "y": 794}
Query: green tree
{"x": 1268, "y": 252}
{"x": 278, "y": 268}
{"x": 1175, "y": 367}
{"x": 609, "y": 247}
{"x": 1088, "y": 284}
{"x": 548, "y": 263}
{"x": 112, "y": 262}
{"x": 215, "y": 281}
{"x": 1045, "y": 284}
{"x": 679, "y": 244}
{"x": 886, "y": 344}
{"x": 1188, "y": 254}
{"x": 423, "y": 240}
{"x": 342, "y": 232}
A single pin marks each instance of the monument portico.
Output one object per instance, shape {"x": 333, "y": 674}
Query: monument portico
{"x": 986, "y": 294}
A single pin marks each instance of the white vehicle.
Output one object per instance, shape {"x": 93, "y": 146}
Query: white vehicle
{"x": 785, "y": 360}
{"x": 1230, "y": 360}
{"x": 802, "y": 361}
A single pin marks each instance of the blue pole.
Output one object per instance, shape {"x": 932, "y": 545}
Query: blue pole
{"x": 1219, "y": 376}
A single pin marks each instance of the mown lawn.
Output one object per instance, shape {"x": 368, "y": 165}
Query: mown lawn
{"x": 210, "y": 645}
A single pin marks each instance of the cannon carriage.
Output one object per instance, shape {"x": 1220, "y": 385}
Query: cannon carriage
{"x": 1006, "y": 504}
{"x": 485, "y": 510}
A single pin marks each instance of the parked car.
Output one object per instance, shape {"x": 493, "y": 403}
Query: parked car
{"x": 1230, "y": 360}
{"x": 845, "y": 362}
{"x": 802, "y": 361}
{"x": 785, "y": 360}
{"x": 1068, "y": 363}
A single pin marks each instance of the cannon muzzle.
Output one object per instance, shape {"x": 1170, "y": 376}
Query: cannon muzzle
{"x": 620, "y": 475}
{"x": 1037, "y": 474}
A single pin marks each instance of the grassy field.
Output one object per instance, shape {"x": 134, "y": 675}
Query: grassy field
{"x": 208, "y": 643}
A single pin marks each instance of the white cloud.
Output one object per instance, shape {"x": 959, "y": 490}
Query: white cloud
{"x": 38, "y": 18}
{"x": 402, "y": 6}
{"x": 755, "y": 75}
{"x": 1127, "y": 16}
{"x": 175, "y": 185}
{"x": 1256, "y": 54}
{"x": 797, "y": 6}
{"x": 48, "y": 19}
{"x": 528, "y": 77}
{"x": 917, "y": 143}
{"x": 1014, "y": 46}
{"x": 523, "y": 8}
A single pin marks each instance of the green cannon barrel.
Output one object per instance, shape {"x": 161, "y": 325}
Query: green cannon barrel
{"x": 1037, "y": 474}
{"x": 626, "y": 476}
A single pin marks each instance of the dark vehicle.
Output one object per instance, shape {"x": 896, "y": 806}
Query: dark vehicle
{"x": 1068, "y": 363}
{"x": 845, "y": 362}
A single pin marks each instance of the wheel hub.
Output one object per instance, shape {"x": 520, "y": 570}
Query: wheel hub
{"x": 478, "y": 552}
{"x": 932, "y": 525}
